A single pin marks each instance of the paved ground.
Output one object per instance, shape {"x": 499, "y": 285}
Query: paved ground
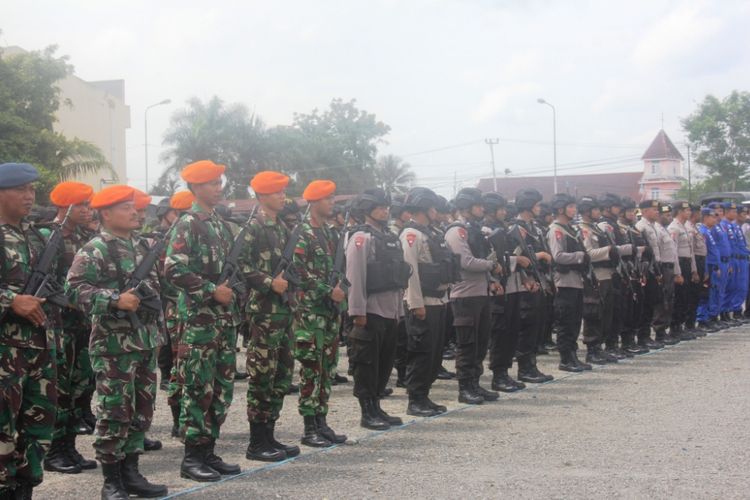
{"x": 673, "y": 423}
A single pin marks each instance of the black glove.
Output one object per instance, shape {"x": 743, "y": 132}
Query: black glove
{"x": 614, "y": 255}
{"x": 586, "y": 261}
{"x": 648, "y": 254}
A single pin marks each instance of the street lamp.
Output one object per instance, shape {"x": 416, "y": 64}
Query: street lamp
{"x": 145, "y": 131}
{"x": 554, "y": 139}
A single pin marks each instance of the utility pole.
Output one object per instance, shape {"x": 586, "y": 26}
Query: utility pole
{"x": 145, "y": 133}
{"x": 690, "y": 181}
{"x": 491, "y": 143}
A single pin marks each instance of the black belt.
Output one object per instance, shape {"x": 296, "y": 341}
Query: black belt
{"x": 668, "y": 265}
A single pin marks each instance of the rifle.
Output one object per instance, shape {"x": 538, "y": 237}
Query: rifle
{"x": 40, "y": 282}
{"x": 498, "y": 241}
{"x": 231, "y": 268}
{"x": 284, "y": 266}
{"x": 337, "y": 277}
{"x": 589, "y": 277}
{"x": 528, "y": 252}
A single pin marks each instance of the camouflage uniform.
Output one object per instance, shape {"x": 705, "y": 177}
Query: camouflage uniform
{"x": 74, "y": 373}
{"x": 196, "y": 251}
{"x": 316, "y": 321}
{"x": 27, "y": 365}
{"x": 122, "y": 354}
{"x": 269, "y": 358}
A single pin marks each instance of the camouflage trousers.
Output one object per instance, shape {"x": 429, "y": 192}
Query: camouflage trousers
{"x": 207, "y": 371}
{"x": 176, "y": 381}
{"x": 82, "y": 376}
{"x": 269, "y": 365}
{"x": 125, "y": 394}
{"x": 65, "y": 420}
{"x": 316, "y": 348}
{"x": 28, "y": 396}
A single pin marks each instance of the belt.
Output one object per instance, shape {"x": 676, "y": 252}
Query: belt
{"x": 668, "y": 265}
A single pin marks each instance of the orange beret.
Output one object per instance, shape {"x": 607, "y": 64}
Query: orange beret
{"x": 70, "y": 193}
{"x": 269, "y": 182}
{"x": 182, "y": 200}
{"x": 317, "y": 190}
{"x": 202, "y": 171}
{"x": 112, "y": 195}
{"x": 142, "y": 200}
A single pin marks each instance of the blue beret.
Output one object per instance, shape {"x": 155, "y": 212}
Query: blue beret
{"x": 16, "y": 174}
{"x": 707, "y": 211}
{"x": 728, "y": 205}
{"x": 715, "y": 205}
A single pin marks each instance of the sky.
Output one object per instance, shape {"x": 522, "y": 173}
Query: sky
{"x": 444, "y": 74}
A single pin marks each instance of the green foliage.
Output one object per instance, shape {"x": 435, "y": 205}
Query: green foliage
{"x": 394, "y": 175}
{"x": 29, "y": 99}
{"x": 720, "y": 132}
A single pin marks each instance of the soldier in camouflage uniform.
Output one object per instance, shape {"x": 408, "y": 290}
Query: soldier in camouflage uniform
{"x": 209, "y": 314}
{"x": 316, "y": 319}
{"x": 62, "y": 456}
{"x": 123, "y": 344}
{"x": 269, "y": 356}
{"x": 27, "y": 342}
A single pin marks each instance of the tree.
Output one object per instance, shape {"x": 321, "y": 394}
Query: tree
{"x": 393, "y": 175}
{"x": 720, "y": 133}
{"x": 29, "y": 99}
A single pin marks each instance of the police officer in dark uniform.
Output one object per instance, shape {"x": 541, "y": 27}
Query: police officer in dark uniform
{"x": 399, "y": 218}
{"x": 638, "y": 262}
{"x": 545, "y": 343}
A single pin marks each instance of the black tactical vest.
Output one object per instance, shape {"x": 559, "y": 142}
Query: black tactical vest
{"x": 570, "y": 244}
{"x": 388, "y": 271}
{"x": 445, "y": 267}
{"x": 478, "y": 244}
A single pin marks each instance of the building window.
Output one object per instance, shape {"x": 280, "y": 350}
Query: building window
{"x": 654, "y": 166}
{"x": 655, "y": 193}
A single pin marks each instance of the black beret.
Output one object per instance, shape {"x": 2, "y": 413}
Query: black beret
{"x": 649, "y": 204}
{"x": 16, "y": 174}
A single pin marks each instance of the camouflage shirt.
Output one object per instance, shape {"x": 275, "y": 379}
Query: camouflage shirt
{"x": 72, "y": 319}
{"x": 93, "y": 279}
{"x": 21, "y": 247}
{"x": 263, "y": 245}
{"x": 196, "y": 251}
{"x": 313, "y": 262}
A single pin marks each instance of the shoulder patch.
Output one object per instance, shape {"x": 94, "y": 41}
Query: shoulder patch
{"x": 359, "y": 241}
{"x": 462, "y": 233}
{"x": 558, "y": 235}
{"x": 411, "y": 238}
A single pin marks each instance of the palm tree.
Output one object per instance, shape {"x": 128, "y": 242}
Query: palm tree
{"x": 76, "y": 157}
{"x": 394, "y": 175}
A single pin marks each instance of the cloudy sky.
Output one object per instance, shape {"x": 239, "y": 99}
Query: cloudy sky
{"x": 444, "y": 75}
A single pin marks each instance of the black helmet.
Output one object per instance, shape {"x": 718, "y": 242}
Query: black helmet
{"x": 561, "y": 200}
{"x": 493, "y": 201}
{"x": 467, "y": 198}
{"x": 443, "y": 205}
{"x": 369, "y": 199}
{"x": 628, "y": 203}
{"x": 163, "y": 208}
{"x": 545, "y": 209}
{"x": 420, "y": 198}
{"x": 527, "y": 198}
{"x": 397, "y": 206}
{"x": 586, "y": 203}
{"x": 608, "y": 200}
{"x": 512, "y": 211}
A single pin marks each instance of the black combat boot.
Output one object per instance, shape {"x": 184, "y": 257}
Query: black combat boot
{"x": 595, "y": 355}
{"x": 216, "y": 463}
{"x": 164, "y": 382}
{"x": 260, "y": 447}
{"x": 175, "y": 420}
{"x": 568, "y": 364}
{"x": 23, "y": 491}
{"x": 585, "y": 366}
{"x": 528, "y": 372}
{"x": 88, "y": 419}
{"x": 151, "y": 444}
{"x": 435, "y": 406}
{"x": 503, "y": 382}
{"x": 113, "y": 488}
{"x": 59, "y": 460}
{"x": 666, "y": 339}
{"x": 339, "y": 379}
{"x": 325, "y": 430}
{"x": 444, "y": 374}
{"x": 83, "y": 463}
{"x": 467, "y": 394}
{"x": 418, "y": 407}
{"x": 312, "y": 436}
{"x": 290, "y": 450}
{"x": 370, "y": 417}
{"x": 135, "y": 483}
{"x": 194, "y": 465}
{"x": 293, "y": 389}
{"x": 401, "y": 376}
{"x": 487, "y": 395}
{"x": 629, "y": 346}
{"x": 392, "y": 421}
{"x": 734, "y": 320}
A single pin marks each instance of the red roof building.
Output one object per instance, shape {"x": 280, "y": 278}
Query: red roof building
{"x": 662, "y": 169}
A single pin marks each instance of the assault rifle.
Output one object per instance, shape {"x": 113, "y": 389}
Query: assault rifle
{"x": 528, "y": 252}
{"x": 284, "y": 266}
{"x": 41, "y": 283}
{"x": 231, "y": 269}
{"x": 589, "y": 277}
{"x": 337, "y": 277}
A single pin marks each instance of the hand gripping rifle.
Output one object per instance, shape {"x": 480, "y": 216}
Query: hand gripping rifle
{"x": 589, "y": 277}
{"x": 41, "y": 283}
{"x": 528, "y": 252}
{"x": 230, "y": 271}
{"x": 284, "y": 266}
{"x": 337, "y": 277}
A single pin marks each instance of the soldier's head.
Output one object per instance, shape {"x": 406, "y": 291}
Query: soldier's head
{"x": 76, "y": 195}
{"x": 17, "y": 190}
{"x": 320, "y": 195}
{"x": 422, "y": 203}
{"x": 178, "y": 203}
{"x": 588, "y": 207}
{"x": 444, "y": 210}
{"x": 116, "y": 208}
{"x": 545, "y": 213}
{"x": 399, "y": 212}
{"x": 528, "y": 202}
{"x": 730, "y": 210}
{"x": 205, "y": 179}
{"x": 270, "y": 190}
{"x": 649, "y": 210}
{"x": 681, "y": 210}
{"x": 709, "y": 217}
{"x": 495, "y": 206}
{"x": 695, "y": 213}
{"x": 142, "y": 201}
{"x": 468, "y": 202}
{"x": 718, "y": 208}
{"x": 741, "y": 214}
{"x": 628, "y": 209}
{"x": 611, "y": 204}
{"x": 373, "y": 204}
{"x": 291, "y": 213}
{"x": 564, "y": 206}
